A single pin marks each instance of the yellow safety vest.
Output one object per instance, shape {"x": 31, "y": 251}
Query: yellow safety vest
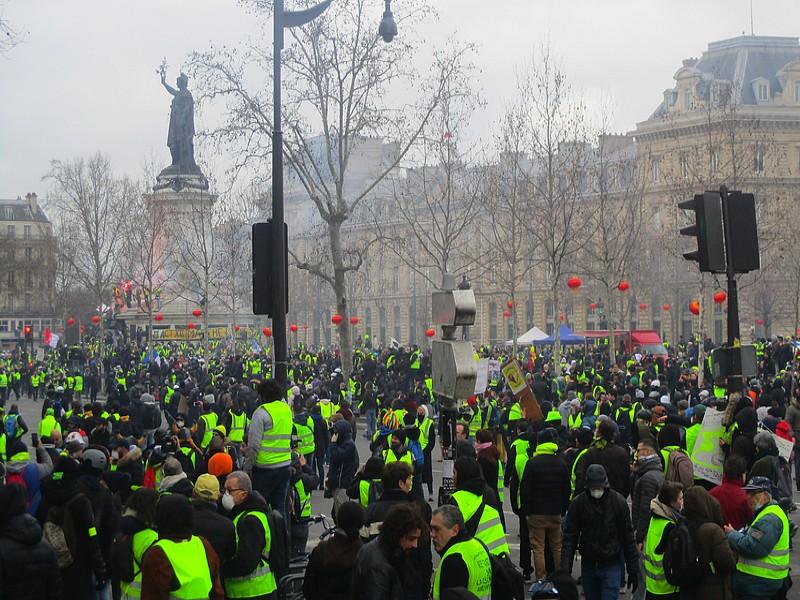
{"x": 142, "y": 540}
{"x": 238, "y": 425}
{"x": 655, "y": 578}
{"x": 490, "y": 528}
{"x": 275, "y": 449}
{"x": 479, "y": 567}
{"x": 190, "y": 563}
{"x": 261, "y": 581}
{"x": 210, "y": 420}
{"x": 776, "y": 564}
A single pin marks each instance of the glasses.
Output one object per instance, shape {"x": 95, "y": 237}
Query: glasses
{"x": 231, "y": 490}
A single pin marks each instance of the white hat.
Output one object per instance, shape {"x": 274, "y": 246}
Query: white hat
{"x": 655, "y": 383}
{"x": 74, "y": 436}
{"x": 703, "y": 393}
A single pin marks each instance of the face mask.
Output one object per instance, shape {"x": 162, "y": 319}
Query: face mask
{"x": 597, "y": 493}
{"x": 227, "y": 502}
{"x": 115, "y": 455}
{"x": 643, "y": 460}
{"x": 420, "y": 418}
{"x": 179, "y": 424}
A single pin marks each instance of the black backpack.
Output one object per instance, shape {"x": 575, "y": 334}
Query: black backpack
{"x": 682, "y": 564}
{"x": 279, "y": 546}
{"x": 507, "y": 580}
{"x": 122, "y": 560}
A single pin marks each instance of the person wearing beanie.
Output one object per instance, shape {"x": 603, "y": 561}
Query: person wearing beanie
{"x": 614, "y": 459}
{"x": 544, "y": 497}
{"x": 64, "y": 492}
{"x": 138, "y": 523}
{"x": 473, "y": 497}
{"x": 28, "y": 567}
{"x": 180, "y": 564}
{"x": 329, "y": 572}
{"x": 48, "y": 424}
{"x": 397, "y": 450}
{"x": 208, "y": 523}
{"x": 599, "y": 524}
{"x": 366, "y": 486}
{"x": 32, "y": 473}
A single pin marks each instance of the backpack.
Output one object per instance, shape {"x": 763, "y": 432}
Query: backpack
{"x": 152, "y": 416}
{"x": 682, "y": 565}
{"x": 19, "y": 480}
{"x": 122, "y": 560}
{"x": 507, "y": 580}
{"x": 416, "y": 451}
{"x": 59, "y": 530}
{"x": 11, "y": 427}
{"x": 375, "y": 491}
{"x": 782, "y": 478}
{"x": 679, "y": 464}
{"x": 279, "y": 546}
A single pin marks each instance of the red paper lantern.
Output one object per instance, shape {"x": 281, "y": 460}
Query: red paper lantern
{"x": 643, "y": 306}
{"x": 430, "y": 333}
{"x": 510, "y": 305}
{"x": 95, "y": 319}
{"x": 574, "y": 283}
{"x": 293, "y": 328}
{"x": 266, "y": 331}
{"x": 236, "y": 327}
{"x": 760, "y": 321}
{"x": 190, "y": 325}
{"x": 720, "y": 297}
{"x": 83, "y": 329}
{"x": 666, "y": 307}
{"x": 593, "y": 305}
{"x": 305, "y": 326}
{"x": 562, "y": 317}
{"x": 353, "y": 320}
{"x": 506, "y": 313}
{"x": 70, "y": 321}
{"x": 694, "y": 308}
{"x": 623, "y": 286}
{"x": 158, "y": 317}
{"x": 336, "y": 319}
{"x": 197, "y": 312}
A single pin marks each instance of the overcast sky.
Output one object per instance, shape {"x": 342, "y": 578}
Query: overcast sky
{"x": 84, "y": 79}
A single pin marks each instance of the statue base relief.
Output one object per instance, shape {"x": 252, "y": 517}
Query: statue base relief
{"x": 178, "y": 178}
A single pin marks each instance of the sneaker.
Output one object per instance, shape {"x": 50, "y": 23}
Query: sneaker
{"x": 430, "y": 498}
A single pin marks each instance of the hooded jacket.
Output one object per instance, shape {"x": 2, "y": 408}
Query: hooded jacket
{"x": 647, "y": 480}
{"x": 703, "y": 512}
{"x": 28, "y": 567}
{"x": 599, "y": 528}
{"x": 344, "y": 457}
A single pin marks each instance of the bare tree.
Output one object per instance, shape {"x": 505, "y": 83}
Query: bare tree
{"x": 557, "y": 141}
{"x": 337, "y": 77}
{"x": 9, "y": 35}
{"x": 90, "y": 204}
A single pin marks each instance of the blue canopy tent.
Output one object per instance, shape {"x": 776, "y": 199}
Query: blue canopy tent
{"x": 567, "y": 337}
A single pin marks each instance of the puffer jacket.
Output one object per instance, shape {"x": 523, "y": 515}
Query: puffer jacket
{"x": 703, "y": 511}
{"x": 600, "y": 529}
{"x": 647, "y": 480}
{"x": 344, "y": 457}
{"x": 28, "y": 567}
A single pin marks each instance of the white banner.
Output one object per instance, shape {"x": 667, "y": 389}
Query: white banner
{"x": 53, "y": 340}
{"x": 482, "y": 381}
{"x": 707, "y": 455}
{"x": 784, "y": 446}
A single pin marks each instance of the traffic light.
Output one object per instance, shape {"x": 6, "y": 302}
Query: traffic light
{"x": 28, "y": 331}
{"x": 710, "y": 253}
{"x": 262, "y": 267}
{"x": 744, "y": 232}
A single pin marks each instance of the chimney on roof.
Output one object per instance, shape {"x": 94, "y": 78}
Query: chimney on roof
{"x": 33, "y": 204}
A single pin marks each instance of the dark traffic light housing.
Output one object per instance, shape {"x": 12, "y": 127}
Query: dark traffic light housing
{"x": 28, "y": 332}
{"x": 262, "y": 267}
{"x": 710, "y": 253}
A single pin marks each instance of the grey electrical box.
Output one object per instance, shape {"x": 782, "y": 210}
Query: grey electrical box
{"x": 726, "y": 362}
{"x": 454, "y": 369}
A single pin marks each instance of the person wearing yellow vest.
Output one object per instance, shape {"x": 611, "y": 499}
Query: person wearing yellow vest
{"x": 427, "y": 439}
{"x": 763, "y": 547}
{"x": 327, "y": 409}
{"x": 665, "y": 512}
{"x": 247, "y": 574}
{"x": 48, "y": 424}
{"x": 205, "y": 425}
{"x": 471, "y": 497}
{"x": 518, "y": 455}
{"x": 269, "y": 445}
{"x": 179, "y": 564}
{"x": 138, "y": 524}
{"x": 465, "y": 562}
{"x": 304, "y": 480}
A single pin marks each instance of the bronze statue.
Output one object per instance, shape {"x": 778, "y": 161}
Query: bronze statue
{"x": 181, "y": 122}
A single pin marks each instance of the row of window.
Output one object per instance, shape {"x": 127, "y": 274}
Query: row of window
{"x": 27, "y": 232}
{"x": 13, "y": 303}
{"x": 685, "y": 167}
{"x": 29, "y": 280}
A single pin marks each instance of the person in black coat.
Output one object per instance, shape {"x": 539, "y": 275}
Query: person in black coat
{"x": 613, "y": 458}
{"x": 207, "y": 522}
{"x": 28, "y": 567}
{"x": 330, "y": 566}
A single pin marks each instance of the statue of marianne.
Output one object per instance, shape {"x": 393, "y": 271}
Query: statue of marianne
{"x": 181, "y": 122}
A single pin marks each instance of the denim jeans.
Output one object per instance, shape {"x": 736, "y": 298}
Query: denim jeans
{"x": 372, "y": 421}
{"x": 601, "y": 584}
{"x": 273, "y": 484}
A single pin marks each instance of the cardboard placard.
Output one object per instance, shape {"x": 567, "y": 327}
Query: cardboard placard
{"x": 524, "y": 395}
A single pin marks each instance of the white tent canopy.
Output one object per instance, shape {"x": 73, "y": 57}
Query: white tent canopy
{"x": 529, "y": 338}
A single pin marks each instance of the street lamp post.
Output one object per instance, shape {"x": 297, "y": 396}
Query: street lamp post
{"x": 283, "y": 19}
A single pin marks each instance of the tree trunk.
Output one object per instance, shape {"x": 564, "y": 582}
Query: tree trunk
{"x": 612, "y": 341}
{"x": 340, "y": 291}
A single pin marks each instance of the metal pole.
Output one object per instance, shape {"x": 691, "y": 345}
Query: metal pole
{"x": 735, "y": 383}
{"x": 278, "y": 239}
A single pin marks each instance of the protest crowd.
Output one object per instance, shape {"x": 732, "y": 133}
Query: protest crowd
{"x": 180, "y": 472}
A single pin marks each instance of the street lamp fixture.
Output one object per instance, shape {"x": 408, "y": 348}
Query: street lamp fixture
{"x": 388, "y": 28}
{"x": 464, "y": 285}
